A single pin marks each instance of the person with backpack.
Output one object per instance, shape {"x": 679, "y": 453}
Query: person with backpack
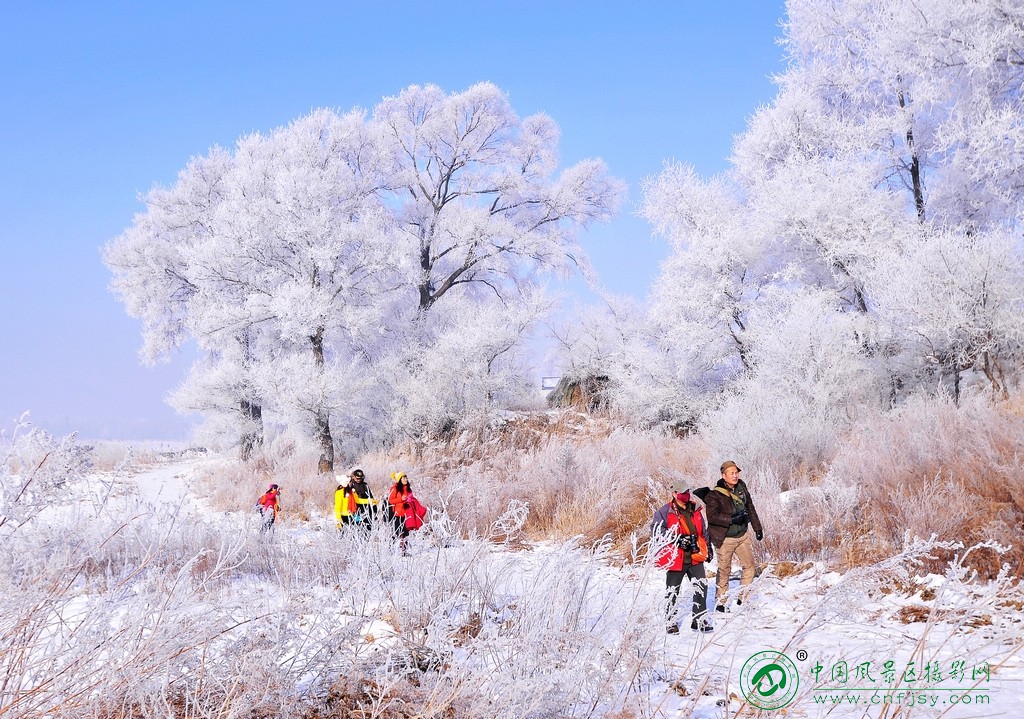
{"x": 344, "y": 502}
{"x": 268, "y": 506}
{"x": 365, "y": 503}
{"x": 731, "y": 511}
{"x": 400, "y": 489}
{"x": 682, "y": 523}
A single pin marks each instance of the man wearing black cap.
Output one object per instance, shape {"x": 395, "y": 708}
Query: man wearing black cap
{"x": 730, "y": 510}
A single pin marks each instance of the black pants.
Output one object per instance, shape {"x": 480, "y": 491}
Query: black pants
{"x": 673, "y": 580}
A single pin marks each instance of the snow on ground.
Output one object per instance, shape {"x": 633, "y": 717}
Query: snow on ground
{"x": 847, "y": 643}
{"x": 164, "y": 483}
{"x": 859, "y": 644}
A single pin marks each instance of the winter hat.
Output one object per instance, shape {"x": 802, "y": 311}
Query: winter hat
{"x": 274, "y": 486}
{"x": 342, "y": 480}
{"x": 357, "y": 473}
{"x": 730, "y": 463}
{"x": 680, "y": 487}
{"x": 397, "y": 476}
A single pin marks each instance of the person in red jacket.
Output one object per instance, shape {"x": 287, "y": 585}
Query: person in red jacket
{"x": 268, "y": 506}
{"x": 407, "y": 511}
{"x": 398, "y": 500}
{"x": 681, "y": 523}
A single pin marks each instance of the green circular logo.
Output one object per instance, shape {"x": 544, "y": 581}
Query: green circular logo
{"x": 769, "y": 680}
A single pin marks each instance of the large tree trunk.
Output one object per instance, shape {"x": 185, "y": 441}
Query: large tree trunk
{"x": 322, "y": 421}
{"x": 254, "y": 439}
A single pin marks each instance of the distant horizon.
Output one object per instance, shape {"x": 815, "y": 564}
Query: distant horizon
{"x": 112, "y": 102}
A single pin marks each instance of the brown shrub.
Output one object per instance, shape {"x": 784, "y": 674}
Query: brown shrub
{"x": 928, "y": 468}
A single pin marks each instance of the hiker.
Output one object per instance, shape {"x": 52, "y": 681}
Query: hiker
{"x": 268, "y": 506}
{"x": 730, "y": 510}
{"x": 344, "y": 502}
{"x": 682, "y": 522}
{"x": 365, "y": 503}
{"x": 398, "y": 503}
{"x": 407, "y": 511}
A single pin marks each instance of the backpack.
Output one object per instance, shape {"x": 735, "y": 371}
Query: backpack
{"x": 414, "y": 516}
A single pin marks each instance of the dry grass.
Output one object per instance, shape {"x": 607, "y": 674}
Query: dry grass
{"x": 927, "y": 468}
{"x": 783, "y": 570}
{"x": 235, "y": 486}
{"x": 933, "y": 468}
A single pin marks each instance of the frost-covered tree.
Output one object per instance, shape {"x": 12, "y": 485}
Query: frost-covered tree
{"x": 871, "y": 217}
{"x": 290, "y": 255}
{"x": 477, "y": 191}
{"x": 159, "y": 274}
{"x": 345, "y": 268}
{"x": 303, "y": 243}
{"x": 481, "y": 205}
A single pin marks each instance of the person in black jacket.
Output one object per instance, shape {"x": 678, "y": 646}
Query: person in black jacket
{"x": 730, "y": 510}
{"x": 366, "y": 505}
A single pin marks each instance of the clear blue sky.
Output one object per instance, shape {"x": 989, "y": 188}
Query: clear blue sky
{"x": 99, "y": 101}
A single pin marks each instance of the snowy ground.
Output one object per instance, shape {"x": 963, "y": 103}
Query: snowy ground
{"x": 862, "y": 643}
{"x": 555, "y": 629}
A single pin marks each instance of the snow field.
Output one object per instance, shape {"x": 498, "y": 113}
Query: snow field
{"x": 165, "y": 608}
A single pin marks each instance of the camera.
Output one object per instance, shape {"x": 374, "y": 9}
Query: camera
{"x": 687, "y": 542}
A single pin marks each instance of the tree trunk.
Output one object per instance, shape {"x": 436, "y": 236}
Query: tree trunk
{"x": 426, "y": 289}
{"x": 915, "y": 161}
{"x": 322, "y": 421}
{"x": 994, "y": 372}
{"x": 323, "y": 433}
{"x": 253, "y": 439}
{"x": 740, "y": 347}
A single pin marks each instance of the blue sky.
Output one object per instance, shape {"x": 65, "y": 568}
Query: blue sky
{"x": 102, "y": 100}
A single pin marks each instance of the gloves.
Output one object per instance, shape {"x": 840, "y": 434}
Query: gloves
{"x": 759, "y": 535}
{"x": 740, "y": 517}
{"x": 405, "y": 505}
{"x": 711, "y": 552}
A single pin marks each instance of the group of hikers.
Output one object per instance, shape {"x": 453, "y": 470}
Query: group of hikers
{"x": 355, "y": 505}
{"x": 694, "y": 525}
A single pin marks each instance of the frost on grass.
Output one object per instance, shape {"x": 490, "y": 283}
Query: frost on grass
{"x": 34, "y": 467}
{"x": 142, "y": 610}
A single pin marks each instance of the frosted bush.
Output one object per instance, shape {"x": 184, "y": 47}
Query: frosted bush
{"x": 35, "y": 467}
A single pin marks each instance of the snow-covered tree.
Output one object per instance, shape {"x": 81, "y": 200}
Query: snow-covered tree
{"x": 866, "y": 242}
{"x": 341, "y": 267}
{"x": 477, "y": 194}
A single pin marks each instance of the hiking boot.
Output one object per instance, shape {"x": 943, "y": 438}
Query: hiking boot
{"x": 701, "y": 625}
{"x": 672, "y": 629}
{"x": 721, "y": 608}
